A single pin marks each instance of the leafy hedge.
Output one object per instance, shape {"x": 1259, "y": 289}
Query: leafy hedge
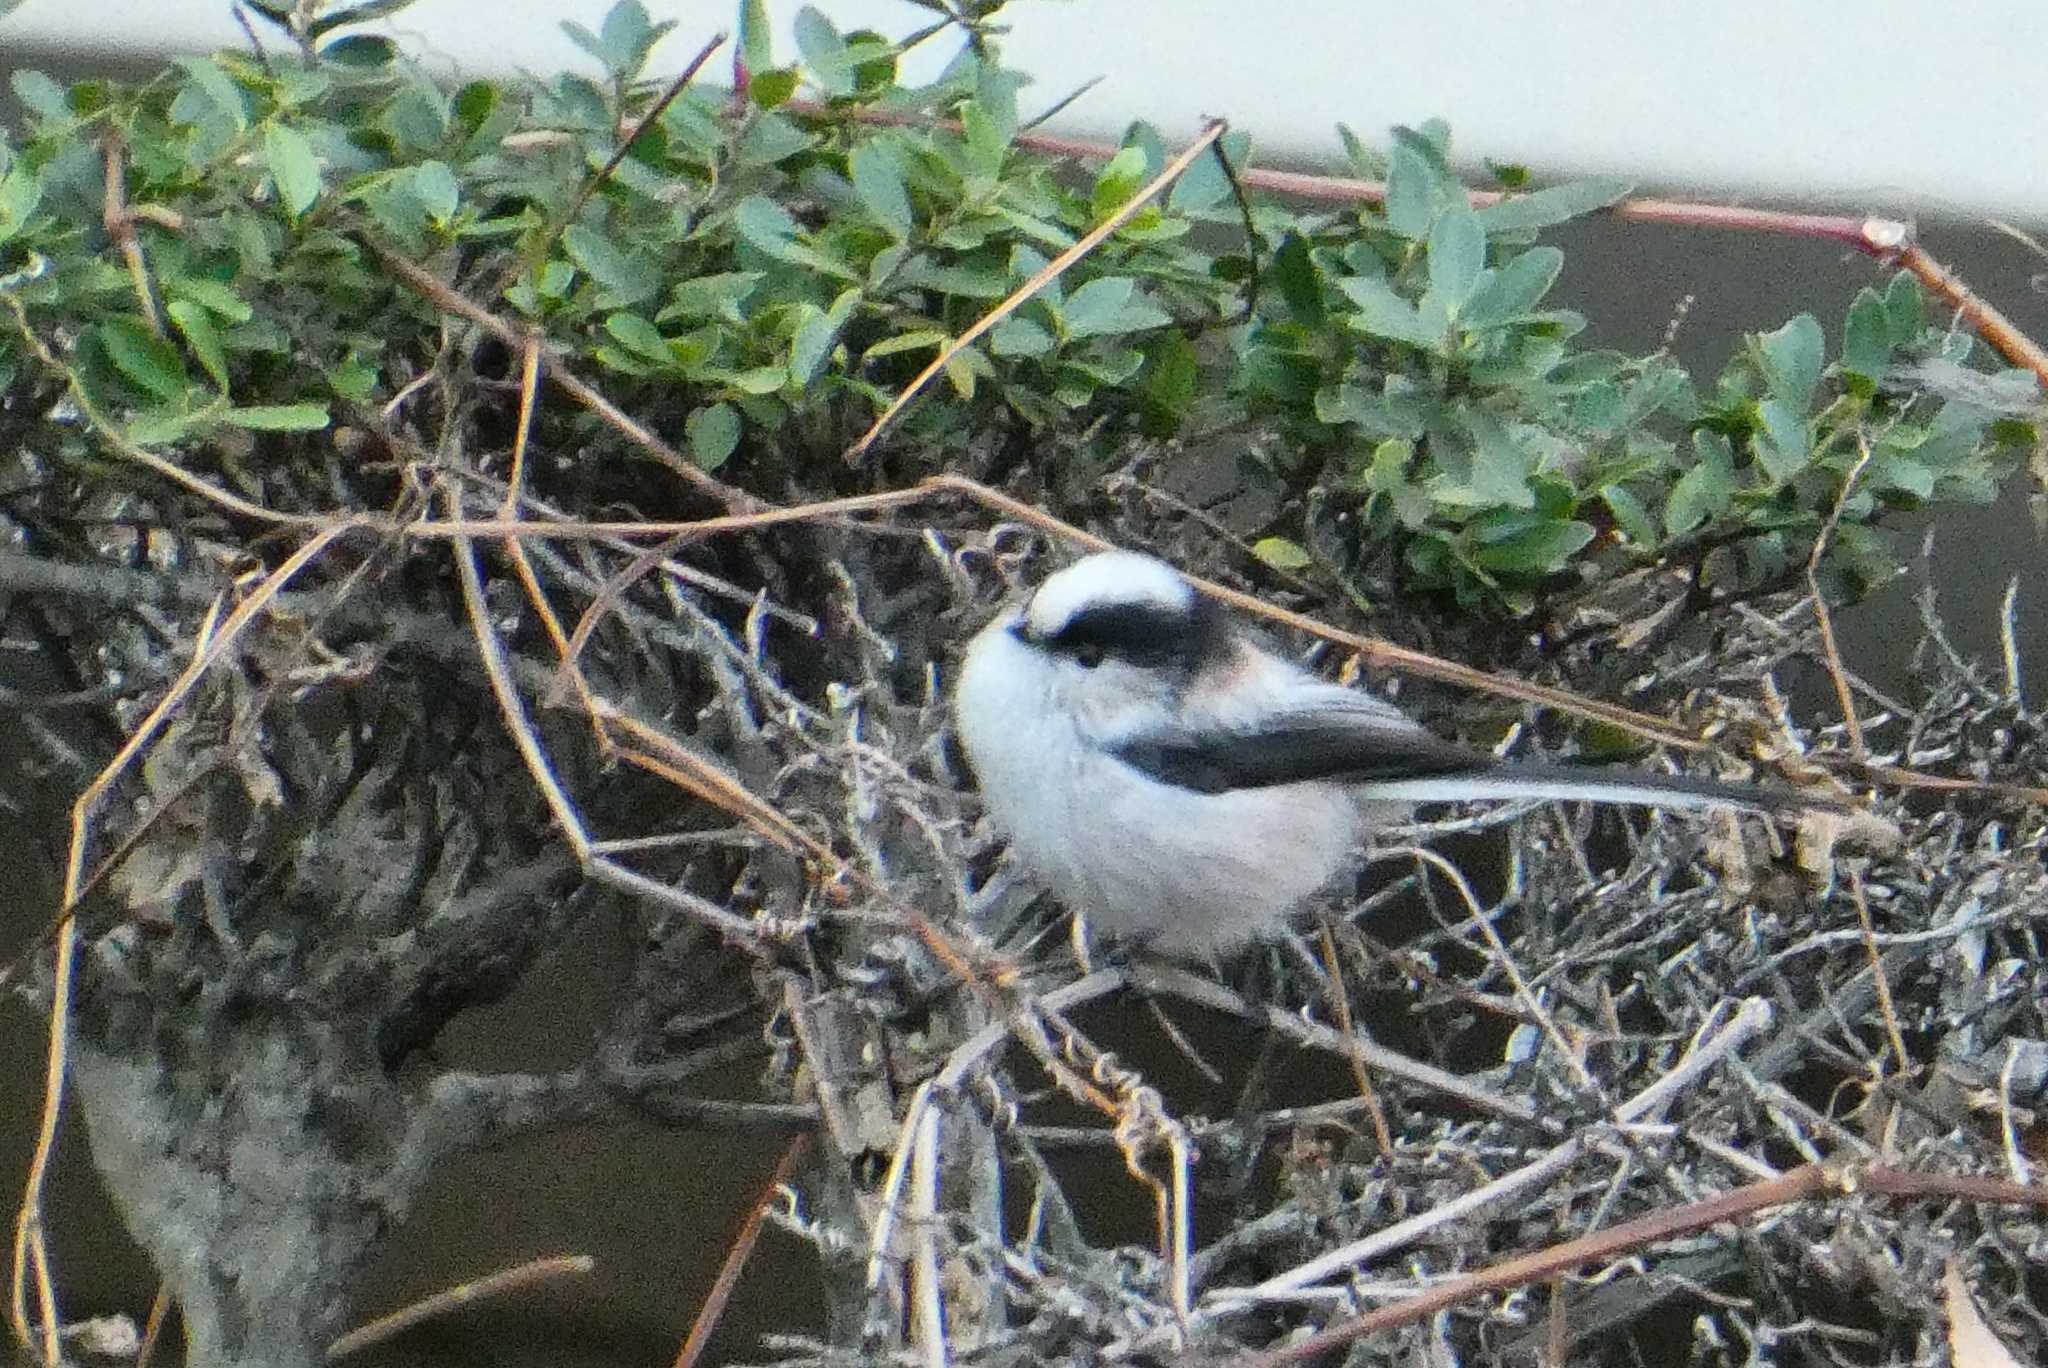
{"x": 759, "y": 278}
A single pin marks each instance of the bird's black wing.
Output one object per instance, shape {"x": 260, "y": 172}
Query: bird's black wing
{"x": 1335, "y": 734}
{"x": 1345, "y": 736}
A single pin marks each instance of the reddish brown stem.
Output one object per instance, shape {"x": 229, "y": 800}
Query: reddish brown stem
{"x": 736, "y": 1258}
{"x": 1887, "y": 240}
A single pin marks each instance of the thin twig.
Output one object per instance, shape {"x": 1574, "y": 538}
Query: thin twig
{"x": 491, "y": 653}
{"x": 2009, "y": 643}
{"x": 1823, "y": 620}
{"x": 1340, "y": 1007}
{"x": 715, "y": 1300}
{"x": 518, "y": 1278}
{"x": 926, "y": 1294}
{"x": 120, "y": 226}
{"x": 1878, "y": 978}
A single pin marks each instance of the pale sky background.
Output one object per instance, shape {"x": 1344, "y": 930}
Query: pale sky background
{"x": 1899, "y": 106}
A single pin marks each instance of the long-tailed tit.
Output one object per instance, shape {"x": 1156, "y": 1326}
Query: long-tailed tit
{"x": 1174, "y": 782}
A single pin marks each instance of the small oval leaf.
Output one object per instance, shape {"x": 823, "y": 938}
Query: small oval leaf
{"x": 714, "y": 434}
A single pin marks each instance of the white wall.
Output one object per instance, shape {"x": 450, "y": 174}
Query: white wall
{"x": 1928, "y": 106}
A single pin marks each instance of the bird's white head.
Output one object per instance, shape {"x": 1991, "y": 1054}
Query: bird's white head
{"x": 1106, "y": 582}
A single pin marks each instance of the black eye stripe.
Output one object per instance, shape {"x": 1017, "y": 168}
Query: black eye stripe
{"x": 1150, "y": 634}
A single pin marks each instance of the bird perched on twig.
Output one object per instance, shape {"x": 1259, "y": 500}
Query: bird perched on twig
{"x": 1176, "y": 783}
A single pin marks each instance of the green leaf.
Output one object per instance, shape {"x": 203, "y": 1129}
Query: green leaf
{"x": 873, "y": 59}
{"x": 1098, "y": 307}
{"x": 1368, "y": 164}
{"x": 219, "y": 88}
{"x": 627, "y": 34}
{"x": 1630, "y": 515}
{"x": 144, "y": 358}
{"x": 764, "y": 223}
{"x": 1172, "y": 378}
{"x": 1792, "y": 358}
{"x": 1206, "y": 183}
{"x": 760, "y": 380}
{"x": 985, "y": 140}
{"x": 195, "y": 324}
{"x": 585, "y": 39}
{"x": 1418, "y": 183}
{"x": 757, "y": 48}
{"x": 361, "y": 50}
{"x": 965, "y": 281}
{"x": 475, "y": 105}
{"x": 1500, "y": 464}
{"x": 772, "y": 89}
{"x": 41, "y": 95}
{"x": 714, "y": 434}
{"x": 1018, "y": 337}
{"x": 1539, "y": 549}
{"x": 1457, "y": 254}
{"x": 1554, "y": 204}
{"x": 1783, "y": 445}
{"x": 278, "y": 417}
{"x": 1382, "y": 313}
{"x": 639, "y": 337}
{"x": 1515, "y": 288}
{"x": 1118, "y": 180}
{"x": 292, "y": 167}
{"x": 21, "y": 191}
{"x": 1904, "y": 309}
{"x": 1301, "y": 285}
{"x": 1866, "y": 337}
{"x": 713, "y": 296}
{"x": 1282, "y": 554}
{"x": 1894, "y": 470}
{"x": 160, "y": 427}
{"x": 1386, "y": 470}
{"x": 211, "y": 295}
{"x": 816, "y": 336}
{"x": 1147, "y": 139}
{"x": 1598, "y": 407}
{"x": 1705, "y": 489}
{"x": 824, "y": 52}
{"x": 626, "y": 277}
{"x": 918, "y": 339}
{"x": 878, "y": 180}
{"x": 770, "y": 139}
{"x": 354, "y": 379}
{"x": 434, "y": 185}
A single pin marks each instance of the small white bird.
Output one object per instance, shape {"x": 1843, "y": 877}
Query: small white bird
{"x": 1175, "y": 783}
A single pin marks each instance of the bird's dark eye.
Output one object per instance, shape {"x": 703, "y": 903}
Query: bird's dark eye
{"x": 1089, "y": 654}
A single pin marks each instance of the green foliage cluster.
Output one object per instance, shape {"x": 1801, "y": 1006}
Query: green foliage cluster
{"x": 758, "y": 276}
